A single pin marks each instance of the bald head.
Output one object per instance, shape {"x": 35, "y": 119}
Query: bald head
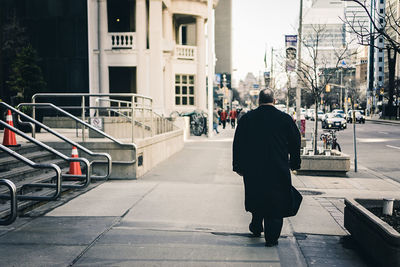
{"x": 266, "y": 96}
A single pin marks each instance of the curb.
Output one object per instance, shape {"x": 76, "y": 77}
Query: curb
{"x": 384, "y": 121}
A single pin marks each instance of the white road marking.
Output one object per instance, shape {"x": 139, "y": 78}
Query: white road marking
{"x": 395, "y": 147}
{"x": 383, "y": 132}
{"x": 373, "y": 140}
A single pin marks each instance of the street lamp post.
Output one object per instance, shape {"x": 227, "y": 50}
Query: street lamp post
{"x": 298, "y": 88}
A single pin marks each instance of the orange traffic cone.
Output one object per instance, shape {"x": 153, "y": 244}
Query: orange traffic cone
{"x": 74, "y": 167}
{"x": 9, "y": 136}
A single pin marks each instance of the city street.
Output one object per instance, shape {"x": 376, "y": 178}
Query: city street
{"x": 378, "y": 146}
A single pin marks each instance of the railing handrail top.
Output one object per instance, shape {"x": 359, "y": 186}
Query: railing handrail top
{"x": 188, "y": 46}
{"x": 77, "y": 120}
{"x": 89, "y": 94}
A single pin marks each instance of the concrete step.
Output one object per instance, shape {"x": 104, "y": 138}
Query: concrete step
{"x": 22, "y": 149}
{"x": 9, "y": 163}
{"x": 26, "y": 172}
{"x": 30, "y": 204}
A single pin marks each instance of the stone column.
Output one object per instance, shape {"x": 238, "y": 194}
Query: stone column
{"x": 141, "y": 43}
{"x": 169, "y": 91}
{"x": 201, "y": 64}
{"x": 156, "y": 55}
{"x": 104, "y": 85}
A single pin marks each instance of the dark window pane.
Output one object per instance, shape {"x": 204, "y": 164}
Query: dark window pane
{"x": 191, "y": 79}
{"x": 191, "y": 90}
{"x": 177, "y": 100}
{"x": 184, "y": 100}
{"x": 177, "y": 79}
{"x": 191, "y": 100}
{"x": 184, "y": 79}
{"x": 184, "y": 90}
{"x": 177, "y": 90}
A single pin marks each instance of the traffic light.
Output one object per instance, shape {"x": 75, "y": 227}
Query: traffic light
{"x": 328, "y": 88}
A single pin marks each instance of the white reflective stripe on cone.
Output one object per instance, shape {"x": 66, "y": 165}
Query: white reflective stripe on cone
{"x": 9, "y": 118}
{"x": 75, "y": 152}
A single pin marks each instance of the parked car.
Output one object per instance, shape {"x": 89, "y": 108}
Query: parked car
{"x": 334, "y": 121}
{"x": 360, "y": 118}
{"x": 340, "y": 111}
{"x": 309, "y": 113}
{"x": 320, "y": 115}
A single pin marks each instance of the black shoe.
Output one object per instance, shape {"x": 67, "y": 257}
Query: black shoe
{"x": 271, "y": 243}
{"x": 255, "y": 231}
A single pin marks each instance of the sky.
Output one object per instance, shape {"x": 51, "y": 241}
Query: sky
{"x": 257, "y": 26}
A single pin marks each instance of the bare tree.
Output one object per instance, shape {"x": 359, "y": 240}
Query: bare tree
{"x": 385, "y": 26}
{"x": 314, "y": 71}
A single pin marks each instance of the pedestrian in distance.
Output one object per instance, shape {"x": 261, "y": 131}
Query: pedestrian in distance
{"x": 223, "y": 116}
{"x": 264, "y": 140}
{"x": 215, "y": 121}
{"x": 232, "y": 117}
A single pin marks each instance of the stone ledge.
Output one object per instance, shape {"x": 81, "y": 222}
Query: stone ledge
{"x": 337, "y": 163}
{"x": 377, "y": 238}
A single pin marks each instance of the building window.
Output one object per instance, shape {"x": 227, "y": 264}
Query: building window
{"x": 380, "y": 59}
{"x": 381, "y": 40}
{"x": 184, "y": 90}
{"x": 380, "y": 78}
{"x": 380, "y": 68}
{"x": 381, "y": 1}
{"x": 381, "y": 21}
{"x": 381, "y": 11}
{"x": 380, "y": 50}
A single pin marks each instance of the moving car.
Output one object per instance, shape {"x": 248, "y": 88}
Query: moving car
{"x": 334, "y": 121}
{"x": 360, "y": 118}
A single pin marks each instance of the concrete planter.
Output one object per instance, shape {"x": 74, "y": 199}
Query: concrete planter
{"x": 332, "y": 162}
{"x": 377, "y": 238}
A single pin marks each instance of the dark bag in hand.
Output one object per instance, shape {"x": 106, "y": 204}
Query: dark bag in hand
{"x": 296, "y": 201}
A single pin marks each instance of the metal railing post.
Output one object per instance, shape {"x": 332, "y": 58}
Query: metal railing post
{"x": 143, "y": 118}
{"x": 152, "y": 114}
{"x": 132, "y": 118}
{"x": 13, "y": 202}
{"x": 33, "y": 117}
{"x": 83, "y": 118}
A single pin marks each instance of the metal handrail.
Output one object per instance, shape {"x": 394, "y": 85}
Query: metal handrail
{"x": 134, "y": 98}
{"x": 66, "y": 139}
{"x": 53, "y": 151}
{"x": 34, "y": 165}
{"x": 74, "y": 143}
{"x": 13, "y": 202}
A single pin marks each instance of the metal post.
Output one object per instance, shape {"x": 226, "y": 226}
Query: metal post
{"x": 354, "y": 140}
{"x": 83, "y": 118}
{"x": 298, "y": 89}
{"x": 133, "y": 117}
{"x": 34, "y": 117}
{"x": 151, "y": 117}
{"x": 341, "y": 88}
{"x": 143, "y": 119}
{"x": 210, "y": 38}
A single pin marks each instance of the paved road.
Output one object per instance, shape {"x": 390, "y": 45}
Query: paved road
{"x": 378, "y": 146}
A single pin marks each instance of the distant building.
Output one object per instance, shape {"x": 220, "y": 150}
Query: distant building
{"x": 223, "y": 36}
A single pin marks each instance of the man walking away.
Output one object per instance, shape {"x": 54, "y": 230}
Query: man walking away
{"x": 223, "y": 117}
{"x": 264, "y": 139}
{"x": 233, "y": 116}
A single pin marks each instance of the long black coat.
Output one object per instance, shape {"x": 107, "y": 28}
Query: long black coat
{"x": 264, "y": 139}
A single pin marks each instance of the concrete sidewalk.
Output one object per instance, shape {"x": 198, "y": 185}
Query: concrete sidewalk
{"x": 189, "y": 211}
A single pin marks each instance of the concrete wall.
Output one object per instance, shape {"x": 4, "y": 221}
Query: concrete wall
{"x": 152, "y": 150}
{"x": 157, "y": 149}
